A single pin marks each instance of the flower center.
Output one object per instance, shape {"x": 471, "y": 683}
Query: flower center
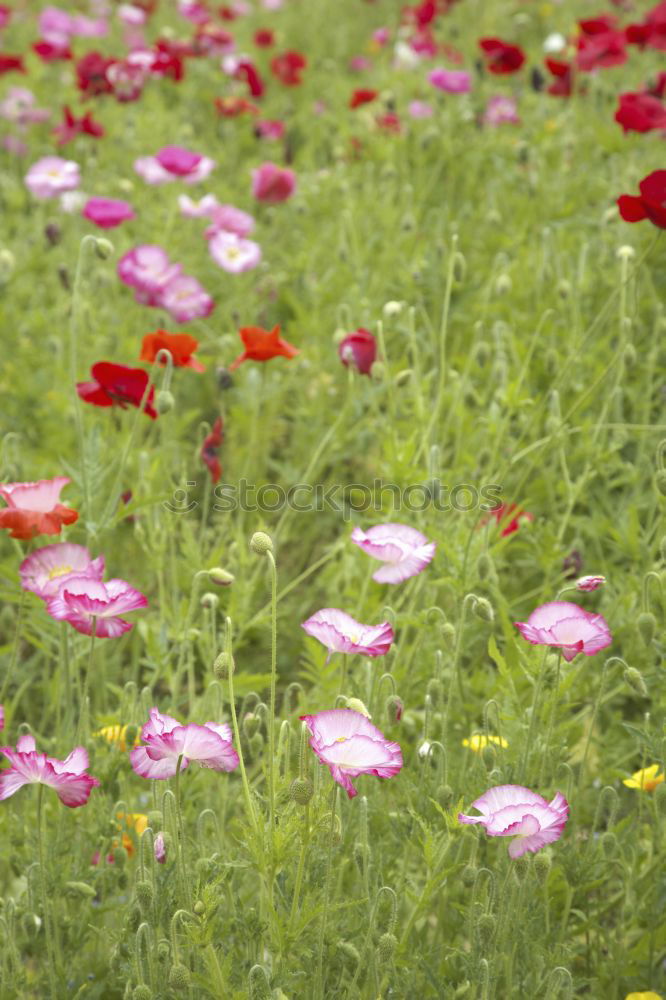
{"x": 60, "y": 571}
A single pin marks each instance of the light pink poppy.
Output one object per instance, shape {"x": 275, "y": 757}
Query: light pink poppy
{"x": 348, "y": 743}
{"x": 167, "y": 739}
{"x": 18, "y": 106}
{"x": 147, "y": 268}
{"x": 420, "y": 109}
{"x": 174, "y": 163}
{"x": 50, "y": 176}
{"x": 35, "y": 508}
{"x": 341, "y": 633}
{"x": 514, "y": 811}
{"x": 501, "y": 111}
{"x": 201, "y": 209}
{"x": 131, "y": 16}
{"x": 47, "y": 569}
{"x": 270, "y": 128}
{"x": 231, "y": 220}
{"x": 590, "y": 582}
{"x": 152, "y": 172}
{"x": 185, "y": 299}
{"x": 159, "y": 849}
{"x": 234, "y": 254}
{"x": 66, "y": 777}
{"x": 272, "y": 183}
{"x": 451, "y": 81}
{"x": 566, "y": 625}
{"x": 107, "y": 213}
{"x": 404, "y": 550}
{"x": 82, "y": 599}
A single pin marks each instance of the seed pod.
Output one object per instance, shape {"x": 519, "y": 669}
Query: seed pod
{"x": 301, "y": 791}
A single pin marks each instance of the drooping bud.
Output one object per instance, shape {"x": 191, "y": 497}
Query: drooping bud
{"x": 484, "y": 566}
{"x": 160, "y": 848}
{"x": 386, "y": 947}
{"x": 609, "y": 844}
{"x": 394, "y": 708}
{"x": 210, "y": 601}
{"x": 251, "y": 723}
{"x": 349, "y": 951}
{"x": 444, "y": 795}
{"x": 542, "y": 864}
{"x": 361, "y": 854}
{"x": 220, "y": 576}
{"x": 164, "y": 401}
{"x": 448, "y": 633}
{"x": 223, "y": 666}
{"x": 155, "y": 819}
{"x": 179, "y": 977}
{"x": 647, "y": 624}
{"x": 483, "y": 609}
{"x": 120, "y": 856}
{"x": 301, "y": 791}
{"x": 357, "y": 705}
{"x": 261, "y": 543}
{"x": 103, "y": 248}
{"x": 634, "y": 679}
{"x": 486, "y": 928}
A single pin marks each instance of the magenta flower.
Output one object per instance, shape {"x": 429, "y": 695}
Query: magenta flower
{"x": 107, "y": 213}
{"x": 269, "y": 128}
{"x": 405, "y": 550}
{"x": 185, "y": 299}
{"x": 341, "y": 633}
{"x": 232, "y": 253}
{"x": 590, "y": 582}
{"x": 174, "y": 163}
{"x": 147, "y": 268}
{"x": 349, "y": 745}
{"x": 51, "y": 176}
{"x": 231, "y": 220}
{"x": 358, "y": 349}
{"x": 452, "y": 81}
{"x": 272, "y": 183}
{"x": 420, "y": 109}
{"x": 514, "y": 811}
{"x": 2, "y": 717}
{"x": 66, "y": 777}
{"x": 47, "y": 569}
{"x": 167, "y": 740}
{"x": 501, "y": 111}
{"x": 159, "y": 849}
{"x": 567, "y": 626}
{"x": 81, "y": 600}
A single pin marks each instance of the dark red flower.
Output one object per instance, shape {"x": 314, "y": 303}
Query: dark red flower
{"x": 264, "y": 38}
{"x": 91, "y": 78}
{"x": 650, "y": 204}
{"x": 288, "y": 67}
{"x": 168, "y": 59}
{"x": 362, "y": 96}
{"x": 501, "y": 57}
{"x": 227, "y": 13}
{"x": 508, "y": 517}
{"x": 640, "y": 113}
{"x": 599, "y": 45}
{"x": 210, "y": 39}
{"x": 651, "y": 31}
{"x": 231, "y": 107}
{"x": 359, "y": 349}
{"x": 562, "y": 85}
{"x": 598, "y": 25}
{"x": 248, "y": 71}
{"x": 117, "y": 385}
{"x": 209, "y": 450}
{"x": 71, "y": 127}
{"x": 49, "y": 51}
{"x": 658, "y": 88}
{"x": 9, "y": 64}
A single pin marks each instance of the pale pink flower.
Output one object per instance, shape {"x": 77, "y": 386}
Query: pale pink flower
{"x": 167, "y": 740}
{"x": 566, "y": 625}
{"x": 201, "y": 209}
{"x": 185, "y": 299}
{"x": 341, "y": 633}
{"x": 404, "y": 550}
{"x": 131, "y": 16}
{"x": 272, "y": 183}
{"x": 18, "y": 106}
{"x": 45, "y": 571}
{"x": 192, "y": 11}
{"x": 107, "y": 213}
{"x": 381, "y": 36}
{"x": 514, "y": 811}
{"x": 81, "y": 600}
{"x": 174, "y": 163}
{"x": 14, "y": 145}
{"x": 231, "y": 220}
{"x": 55, "y": 25}
{"x": 451, "y": 81}
{"x": 234, "y": 254}
{"x": 590, "y": 582}
{"x": 419, "y": 109}
{"x": 348, "y": 743}
{"x": 269, "y": 128}
{"x": 152, "y": 172}
{"x": 66, "y": 777}
{"x": 50, "y": 176}
{"x": 159, "y": 849}
{"x": 87, "y": 27}
{"x": 501, "y": 111}
{"x": 147, "y": 268}
{"x": 359, "y": 64}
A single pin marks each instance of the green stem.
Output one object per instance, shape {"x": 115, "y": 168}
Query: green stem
{"x": 234, "y": 724}
{"x": 319, "y": 987}
{"x": 84, "y": 715}
{"x": 181, "y": 838}
{"x": 15, "y": 647}
{"x": 45, "y": 903}
{"x": 271, "y": 720}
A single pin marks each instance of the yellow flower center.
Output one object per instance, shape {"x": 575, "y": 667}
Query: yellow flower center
{"x": 60, "y": 571}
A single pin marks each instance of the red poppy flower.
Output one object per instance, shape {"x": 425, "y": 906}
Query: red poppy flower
{"x": 209, "y": 450}
{"x": 658, "y": 88}
{"x": 390, "y": 122}
{"x": 52, "y": 51}
{"x": 34, "y": 508}
{"x": 227, "y": 13}
{"x": 91, "y": 78}
{"x": 231, "y": 107}
{"x": 248, "y": 71}
{"x": 264, "y": 38}
{"x": 651, "y": 31}
{"x": 650, "y": 204}
{"x": 508, "y": 516}
{"x": 362, "y": 96}
{"x": 640, "y": 113}
{"x": 71, "y": 127}
{"x": 562, "y": 85}
{"x": 181, "y": 346}
{"x": 117, "y": 385}
{"x": 288, "y": 67}
{"x": 262, "y": 345}
{"x": 168, "y": 59}
{"x": 501, "y": 58}
{"x": 10, "y": 63}
{"x": 601, "y": 51}
{"x": 359, "y": 349}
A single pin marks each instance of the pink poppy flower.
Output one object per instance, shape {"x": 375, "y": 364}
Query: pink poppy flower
{"x": 514, "y": 811}
{"x": 82, "y": 599}
{"x": 107, "y": 213}
{"x": 231, "y": 220}
{"x": 18, "y": 106}
{"x": 201, "y": 209}
{"x": 159, "y": 849}
{"x": 34, "y": 508}
{"x": 590, "y": 582}
{"x": 147, "y": 268}
{"x": 174, "y": 162}
{"x": 451, "y": 81}
{"x": 269, "y": 128}
{"x": 359, "y": 349}
{"x": 234, "y": 254}
{"x": 341, "y": 633}
{"x": 66, "y": 777}
{"x": 47, "y": 569}
{"x": 50, "y": 176}
{"x": 567, "y": 626}
{"x": 404, "y": 550}
{"x": 166, "y": 740}
{"x": 419, "y": 109}
{"x": 272, "y": 183}
{"x": 501, "y": 111}
{"x": 185, "y": 299}
{"x": 2, "y": 717}
{"x": 348, "y": 743}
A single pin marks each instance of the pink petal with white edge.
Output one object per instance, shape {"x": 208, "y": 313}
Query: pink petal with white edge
{"x": 41, "y": 496}
{"x": 502, "y": 796}
{"x": 155, "y": 769}
{"x": 547, "y": 615}
{"x": 405, "y": 550}
{"x": 341, "y": 633}
{"x": 223, "y": 730}
{"x": 10, "y": 782}
{"x": 123, "y": 598}
{"x": 75, "y": 762}
{"x": 26, "y": 743}
{"x": 412, "y": 565}
{"x": 157, "y": 724}
{"x": 336, "y": 723}
{"x": 72, "y": 790}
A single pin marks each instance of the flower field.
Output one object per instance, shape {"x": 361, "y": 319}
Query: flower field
{"x": 332, "y": 493}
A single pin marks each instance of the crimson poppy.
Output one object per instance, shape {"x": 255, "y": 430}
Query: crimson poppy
{"x": 651, "y": 32}
{"x": 181, "y": 346}
{"x": 287, "y": 67}
{"x": 71, "y": 127}
{"x": 359, "y": 349}
{"x": 650, "y": 204}
{"x": 508, "y": 517}
{"x": 264, "y": 38}
{"x": 248, "y": 71}
{"x": 209, "y": 450}
{"x": 52, "y": 51}
{"x": 262, "y": 345}
{"x": 563, "y": 72}
{"x": 640, "y": 113}
{"x": 362, "y": 96}
{"x": 9, "y": 64}
{"x": 117, "y": 385}
{"x": 501, "y": 57}
{"x": 601, "y": 51}
{"x": 91, "y": 78}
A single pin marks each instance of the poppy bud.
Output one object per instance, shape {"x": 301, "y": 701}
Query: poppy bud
{"x": 251, "y": 724}
{"x": 483, "y": 609}
{"x": 259, "y": 985}
{"x": 489, "y": 756}
{"x": 7, "y": 264}
{"x": 210, "y": 601}
{"x": 660, "y": 482}
{"x": 468, "y": 876}
{"x": 164, "y": 401}
{"x": 199, "y": 908}
{"x": 386, "y": 947}
{"x": 394, "y": 708}
{"x": 103, "y": 248}
{"x": 53, "y": 233}
{"x": 448, "y": 634}
{"x": 179, "y": 977}
{"x": 256, "y": 745}
{"x": 220, "y": 576}
{"x": 81, "y": 889}
{"x": 224, "y": 378}
{"x": 120, "y": 856}
{"x": 647, "y": 623}
{"x": 486, "y": 928}
{"x": 301, "y": 791}
{"x": 357, "y": 705}
{"x": 503, "y": 284}
{"x": 493, "y": 218}
{"x": 463, "y": 990}
{"x": 349, "y": 950}
{"x": 521, "y": 867}
{"x": 261, "y": 543}
{"x": 403, "y": 377}
{"x": 204, "y": 868}
{"x": 484, "y": 566}
{"x": 142, "y": 992}
{"x": 134, "y": 918}
{"x": 609, "y": 844}
{"x": 378, "y": 371}
{"x": 634, "y": 679}
{"x": 223, "y": 666}
{"x": 145, "y": 894}
{"x": 542, "y": 866}
{"x": 155, "y": 819}
{"x": 564, "y": 289}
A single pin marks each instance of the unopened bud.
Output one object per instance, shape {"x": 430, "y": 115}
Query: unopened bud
{"x": 155, "y": 819}
{"x": 349, "y": 951}
{"x": 81, "y": 889}
{"x": 489, "y": 756}
{"x": 223, "y": 666}
{"x": 145, "y": 894}
{"x": 444, "y": 796}
{"x": 179, "y": 977}
{"x": 199, "y": 908}
{"x": 261, "y": 543}
{"x": 394, "y": 708}
{"x": 103, "y": 248}
{"x": 468, "y": 876}
{"x": 609, "y": 844}
{"x": 259, "y": 985}
{"x": 301, "y": 791}
{"x": 486, "y": 928}
{"x": 224, "y": 378}
{"x": 378, "y": 371}
{"x": 448, "y": 634}
{"x": 53, "y": 233}
{"x": 403, "y": 377}
{"x": 483, "y": 609}
{"x": 386, "y": 947}
{"x": 542, "y": 864}
{"x": 521, "y": 867}
{"x": 164, "y": 401}
{"x": 142, "y": 992}
{"x": 503, "y": 284}
{"x": 220, "y": 576}
{"x": 634, "y": 679}
{"x": 647, "y": 624}
{"x": 361, "y": 855}
{"x": 120, "y": 856}
{"x": 210, "y": 601}
{"x": 564, "y": 289}
{"x": 630, "y": 356}
{"x": 484, "y": 566}
{"x": 357, "y": 705}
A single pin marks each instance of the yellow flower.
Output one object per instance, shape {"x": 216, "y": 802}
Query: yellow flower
{"x": 647, "y": 780}
{"x": 645, "y": 995}
{"x": 478, "y": 741}
{"x": 134, "y": 821}
{"x": 115, "y": 735}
